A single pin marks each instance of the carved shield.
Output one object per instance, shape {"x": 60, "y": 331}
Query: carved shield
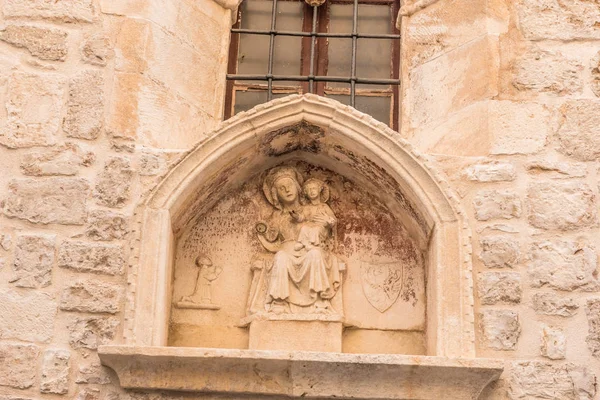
{"x": 381, "y": 283}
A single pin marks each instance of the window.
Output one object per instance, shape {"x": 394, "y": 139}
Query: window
{"x": 347, "y": 50}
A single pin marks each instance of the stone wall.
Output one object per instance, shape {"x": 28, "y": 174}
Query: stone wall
{"x": 99, "y": 97}
{"x": 504, "y": 96}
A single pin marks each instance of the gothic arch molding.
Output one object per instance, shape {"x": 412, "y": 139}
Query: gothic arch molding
{"x": 242, "y": 143}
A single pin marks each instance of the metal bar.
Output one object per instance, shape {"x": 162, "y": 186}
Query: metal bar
{"x": 312, "y": 50}
{"x": 272, "y": 49}
{"x": 354, "y": 39}
{"x": 301, "y": 78}
{"x": 317, "y": 34}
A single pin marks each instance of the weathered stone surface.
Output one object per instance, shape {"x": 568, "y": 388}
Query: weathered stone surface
{"x": 491, "y": 172}
{"x": 557, "y": 169}
{"x": 97, "y": 50}
{"x": 34, "y": 258}
{"x": 499, "y": 252}
{"x": 579, "y": 132}
{"x": 63, "y": 160}
{"x": 18, "y": 365}
{"x": 44, "y": 43}
{"x": 91, "y": 257}
{"x": 34, "y": 110}
{"x": 518, "y": 127}
{"x": 90, "y": 332}
{"x": 152, "y": 164}
{"x": 51, "y": 200}
{"x": 499, "y": 287}
{"x": 114, "y": 183}
{"x": 561, "y": 205}
{"x": 106, "y": 225}
{"x": 563, "y": 265}
{"x": 27, "y": 316}
{"x": 5, "y": 241}
{"x": 553, "y": 304}
{"x": 548, "y": 72}
{"x": 88, "y": 394}
{"x": 501, "y": 329}
{"x": 93, "y": 373}
{"x": 493, "y": 204}
{"x": 55, "y": 371}
{"x": 595, "y": 69}
{"x": 91, "y": 296}
{"x": 561, "y": 20}
{"x": 67, "y": 11}
{"x": 592, "y": 311}
{"x": 553, "y": 343}
{"x": 85, "y": 108}
{"x": 543, "y": 380}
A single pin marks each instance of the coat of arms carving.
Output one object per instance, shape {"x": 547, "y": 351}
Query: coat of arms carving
{"x": 381, "y": 283}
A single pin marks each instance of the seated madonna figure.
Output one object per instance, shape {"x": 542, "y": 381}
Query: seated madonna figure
{"x": 304, "y": 273}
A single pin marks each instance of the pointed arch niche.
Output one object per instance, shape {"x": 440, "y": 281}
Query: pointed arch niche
{"x": 323, "y": 133}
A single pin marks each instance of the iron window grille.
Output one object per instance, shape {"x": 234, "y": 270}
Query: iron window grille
{"x": 313, "y": 75}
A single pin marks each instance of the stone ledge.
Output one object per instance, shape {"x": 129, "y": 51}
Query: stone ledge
{"x": 300, "y": 374}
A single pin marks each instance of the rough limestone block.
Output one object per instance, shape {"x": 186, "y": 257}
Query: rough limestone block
{"x": 563, "y": 265}
{"x": 595, "y": 67}
{"x": 113, "y": 185}
{"x": 543, "y": 380}
{"x": 5, "y": 241}
{"x": 60, "y": 10}
{"x": 92, "y": 372}
{"x": 18, "y": 365}
{"x": 91, "y": 257}
{"x": 51, "y": 200}
{"x": 152, "y": 164}
{"x": 592, "y": 311}
{"x": 553, "y": 304}
{"x": 579, "y": 132}
{"x": 553, "y": 343}
{"x": 55, "y": 371}
{"x": 106, "y": 225}
{"x": 494, "y": 204}
{"x": 27, "y": 315}
{"x": 491, "y": 172}
{"x": 499, "y": 252}
{"x": 34, "y": 105}
{"x": 63, "y": 160}
{"x": 499, "y": 287}
{"x": 97, "y": 50}
{"x": 34, "y": 258}
{"x": 91, "y": 296}
{"x": 558, "y": 19}
{"x": 501, "y": 329}
{"x": 44, "y": 43}
{"x": 518, "y": 128}
{"x": 547, "y": 72}
{"x": 561, "y": 205}
{"x": 85, "y": 108}
{"x": 90, "y": 332}
{"x": 557, "y": 169}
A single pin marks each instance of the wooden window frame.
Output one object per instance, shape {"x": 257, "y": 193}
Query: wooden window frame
{"x": 320, "y": 60}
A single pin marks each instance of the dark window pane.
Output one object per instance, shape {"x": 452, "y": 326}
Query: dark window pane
{"x": 256, "y": 14}
{"x": 374, "y": 19}
{"x": 375, "y": 106}
{"x": 340, "y": 59}
{"x": 373, "y": 59}
{"x": 246, "y": 100}
{"x": 342, "y": 98}
{"x": 340, "y": 18}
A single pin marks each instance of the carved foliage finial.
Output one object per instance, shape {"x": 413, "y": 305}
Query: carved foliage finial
{"x": 313, "y": 3}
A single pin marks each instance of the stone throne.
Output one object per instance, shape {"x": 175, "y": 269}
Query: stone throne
{"x": 367, "y": 168}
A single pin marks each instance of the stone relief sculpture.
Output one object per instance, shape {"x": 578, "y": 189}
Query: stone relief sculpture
{"x": 300, "y": 274}
{"x": 201, "y": 298}
{"x": 381, "y": 283}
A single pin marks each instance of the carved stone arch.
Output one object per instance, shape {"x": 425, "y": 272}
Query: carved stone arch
{"x": 242, "y": 144}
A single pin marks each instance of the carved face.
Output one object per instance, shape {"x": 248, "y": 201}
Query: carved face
{"x": 312, "y": 190}
{"x": 287, "y": 191}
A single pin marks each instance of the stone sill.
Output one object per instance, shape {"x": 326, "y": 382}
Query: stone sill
{"x": 300, "y": 374}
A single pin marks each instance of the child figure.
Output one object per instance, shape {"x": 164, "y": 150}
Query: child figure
{"x": 317, "y": 216}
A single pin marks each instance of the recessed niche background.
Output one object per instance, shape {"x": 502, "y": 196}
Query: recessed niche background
{"x": 373, "y": 240}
